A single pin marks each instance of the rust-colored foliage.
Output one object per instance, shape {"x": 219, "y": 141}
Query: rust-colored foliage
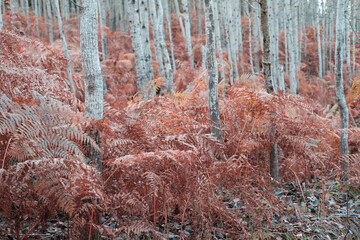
{"x": 161, "y": 163}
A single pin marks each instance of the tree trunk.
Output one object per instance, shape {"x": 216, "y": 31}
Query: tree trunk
{"x": 211, "y": 65}
{"x": 1, "y": 21}
{"x": 188, "y": 32}
{"x": 339, "y": 85}
{"x": 142, "y": 53}
{"x": 66, "y": 53}
{"x": 161, "y": 39}
{"x": 93, "y": 79}
{"x": 168, "y": 21}
{"x": 49, "y": 19}
{"x": 102, "y": 16}
{"x": 266, "y": 61}
{"x": 292, "y": 48}
{"x": 319, "y": 42}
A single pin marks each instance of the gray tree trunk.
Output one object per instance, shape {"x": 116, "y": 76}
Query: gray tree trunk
{"x": 66, "y": 53}
{"x": 102, "y": 16}
{"x": 168, "y": 21}
{"x": 218, "y": 39}
{"x": 266, "y": 61}
{"x": 49, "y": 19}
{"x": 340, "y": 95}
{"x": 180, "y": 18}
{"x": 156, "y": 36}
{"x": 188, "y": 32}
{"x": 1, "y": 21}
{"x": 292, "y": 48}
{"x": 319, "y": 42}
{"x": 211, "y": 65}
{"x": 161, "y": 39}
{"x": 250, "y": 39}
{"x": 143, "y": 57}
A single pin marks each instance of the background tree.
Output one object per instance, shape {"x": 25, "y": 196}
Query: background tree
{"x": 93, "y": 79}
{"x": 339, "y": 83}
{"x": 266, "y": 61}
{"x": 211, "y": 66}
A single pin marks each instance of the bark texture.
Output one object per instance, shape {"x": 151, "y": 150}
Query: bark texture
{"x": 339, "y": 84}
{"x": 211, "y": 65}
{"x": 266, "y": 60}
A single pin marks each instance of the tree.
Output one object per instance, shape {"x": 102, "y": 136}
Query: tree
{"x": 339, "y": 84}
{"x": 188, "y": 32}
{"x": 93, "y": 79}
{"x": 211, "y": 65}
{"x": 1, "y": 22}
{"x": 140, "y": 41}
{"x": 62, "y": 35}
{"x": 266, "y": 61}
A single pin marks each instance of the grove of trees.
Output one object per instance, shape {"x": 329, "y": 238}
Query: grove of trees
{"x": 169, "y": 119}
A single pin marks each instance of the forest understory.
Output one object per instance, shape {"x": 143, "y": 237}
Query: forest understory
{"x": 164, "y": 174}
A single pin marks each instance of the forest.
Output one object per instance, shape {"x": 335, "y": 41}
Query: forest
{"x": 179, "y": 119}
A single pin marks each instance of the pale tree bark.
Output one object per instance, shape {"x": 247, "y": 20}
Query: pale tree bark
{"x": 188, "y": 32}
{"x": 319, "y": 42}
{"x": 354, "y": 21}
{"x": 93, "y": 79}
{"x": 230, "y": 22}
{"x": 1, "y": 21}
{"x": 292, "y": 48}
{"x": 102, "y": 16}
{"x": 66, "y": 53}
{"x": 143, "y": 15}
{"x": 168, "y": 22}
{"x": 49, "y": 19}
{"x": 36, "y": 9}
{"x": 161, "y": 33}
{"x": 143, "y": 57}
{"x": 198, "y": 13}
{"x": 256, "y": 17}
{"x": 211, "y": 65}
{"x": 112, "y": 15}
{"x": 250, "y": 38}
{"x": 180, "y": 18}
{"x": 348, "y": 45}
{"x": 266, "y": 61}
{"x": 339, "y": 84}
{"x": 156, "y": 35}
{"x": 218, "y": 39}
{"x": 65, "y": 10}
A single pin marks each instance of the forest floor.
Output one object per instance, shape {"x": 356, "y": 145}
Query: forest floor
{"x": 325, "y": 210}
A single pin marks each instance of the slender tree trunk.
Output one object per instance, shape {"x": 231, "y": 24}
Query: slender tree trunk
{"x": 180, "y": 18}
{"x": 168, "y": 21}
{"x": 91, "y": 69}
{"x": 66, "y": 53}
{"x": 340, "y": 95}
{"x": 161, "y": 39}
{"x": 143, "y": 15}
{"x": 1, "y": 21}
{"x": 158, "y": 51}
{"x": 266, "y": 61}
{"x": 250, "y": 39}
{"x": 138, "y": 39}
{"x": 211, "y": 65}
{"x": 292, "y": 48}
{"x": 218, "y": 39}
{"x": 319, "y": 42}
{"x": 256, "y": 17}
{"x": 102, "y": 16}
{"x": 198, "y": 12}
{"x": 49, "y": 19}
{"x": 188, "y": 32}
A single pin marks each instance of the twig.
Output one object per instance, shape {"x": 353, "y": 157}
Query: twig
{"x": 7, "y": 147}
{"x": 30, "y": 229}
